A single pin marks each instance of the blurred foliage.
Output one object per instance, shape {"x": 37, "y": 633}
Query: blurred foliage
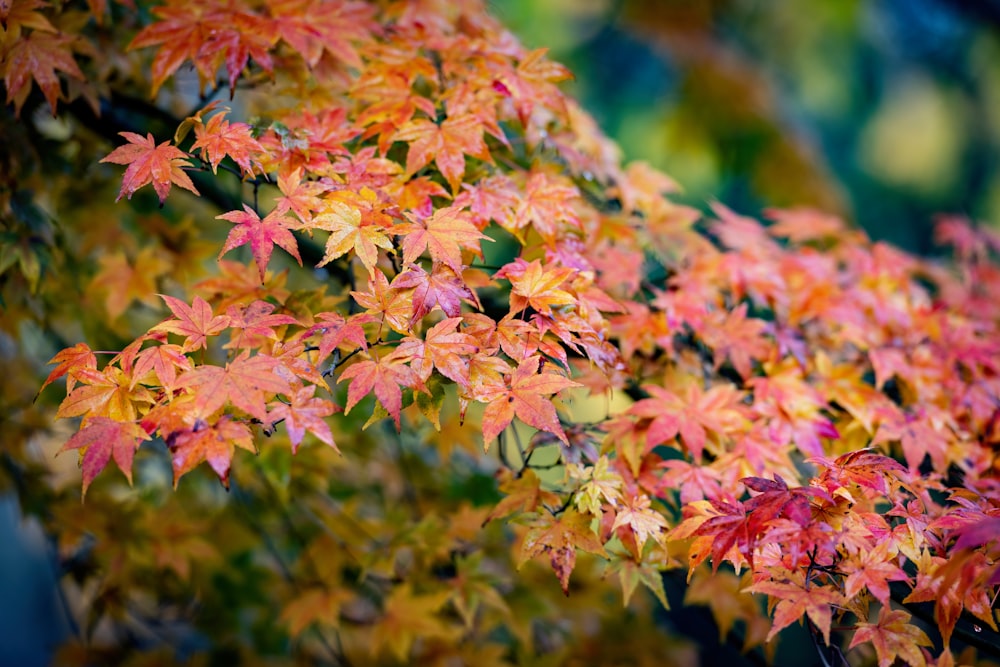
{"x": 887, "y": 112}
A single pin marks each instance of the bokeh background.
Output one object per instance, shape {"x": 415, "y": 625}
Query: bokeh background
{"x": 884, "y": 111}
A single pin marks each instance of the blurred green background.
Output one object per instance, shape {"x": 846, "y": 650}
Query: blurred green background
{"x": 885, "y": 111}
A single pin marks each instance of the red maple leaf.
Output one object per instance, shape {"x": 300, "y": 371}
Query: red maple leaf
{"x": 254, "y": 322}
{"x": 72, "y": 359}
{"x": 443, "y": 347}
{"x": 262, "y": 235}
{"x": 335, "y": 330}
{"x": 163, "y": 360}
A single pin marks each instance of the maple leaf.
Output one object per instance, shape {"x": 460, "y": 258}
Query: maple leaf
{"x": 163, "y": 360}
{"x": 893, "y": 637}
{"x": 645, "y": 522}
{"x": 526, "y": 398}
{"x": 315, "y": 605}
{"x": 407, "y": 616}
{"x": 693, "y": 415}
{"x": 446, "y": 144}
{"x": 125, "y": 281}
{"x": 536, "y": 286}
{"x": 21, "y": 14}
{"x": 305, "y": 412}
{"x": 38, "y": 56}
{"x": 335, "y": 330}
{"x": 395, "y": 306}
{"x": 546, "y": 203}
{"x": 103, "y": 439}
{"x": 443, "y": 347}
{"x": 70, "y": 360}
{"x": 864, "y": 467}
{"x": 871, "y": 569}
{"x": 196, "y": 322}
{"x": 108, "y": 393}
{"x": 524, "y": 493}
{"x": 441, "y": 288}
{"x": 384, "y": 376}
{"x": 218, "y": 138}
{"x": 312, "y": 28}
{"x": 214, "y": 443}
{"x": 918, "y": 432}
{"x": 349, "y": 230}
{"x": 253, "y": 322}
{"x": 560, "y": 537}
{"x": 795, "y": 600}
{"x": 443, "y": 234}
{"x": 243, "y": 382}
{"x": 602, "y": 487}
{"x": 262, "y": 235}
{"x": 148, "y": 163}
{"x": 631, "y": 574}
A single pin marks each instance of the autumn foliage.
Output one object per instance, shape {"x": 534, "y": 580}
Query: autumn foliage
{"x": 510, "y": 368}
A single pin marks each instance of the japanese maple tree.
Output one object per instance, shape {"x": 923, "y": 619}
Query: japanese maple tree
{"x": 482, "y": 363}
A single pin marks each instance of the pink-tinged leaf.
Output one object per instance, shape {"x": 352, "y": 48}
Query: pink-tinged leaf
{"x": 335, "y": 330}
{"x": 255, "y": 322}
{"x": 218, "y": 138}
{"x": 262, "y": 235}
{"x": 196, "y": 322}
{"x": 444, "y": 234}
{"x": 304, "y": 413}
{"x": 148, "y": 163}
{"x": 527, "y": 398}
{"x": 244, "y": 382}
{"x": 103, "y": 439}
{"x": 385, "y": 376}
{"x": 214, "y": 443}
{"x": 72, "y": 359}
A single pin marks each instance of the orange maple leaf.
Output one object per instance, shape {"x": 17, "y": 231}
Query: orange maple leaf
{"x": 443, "y": 347}
{"x": 795, "y": 600}
{"x": 148, "y": 163}
{"x": 70, "y": 360}
{"x": 214, "y": 443}
{"x": 243, "y": 382}
{"x": 38, "y": 56}
{"x": 305, "y": 412}
{"x": 349, "y": 230}
{"x": 560, "y": 537}
{"x": 536, "y": 286}
{"x": 446, "y": 144}
{"x": 526, "y": 398}
{"x": 218, "y": 138}
{"x": 443, "y": 234}
{"x": 893, "y": 636}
